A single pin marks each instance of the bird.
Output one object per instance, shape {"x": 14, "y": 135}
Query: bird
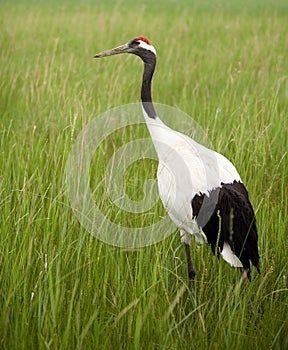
{"x": 200, "y": 189}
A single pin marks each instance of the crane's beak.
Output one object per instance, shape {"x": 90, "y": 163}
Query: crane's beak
{"x": 120, "y": 49}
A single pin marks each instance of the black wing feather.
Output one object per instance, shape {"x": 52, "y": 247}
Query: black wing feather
{"x": 227, "y": 215}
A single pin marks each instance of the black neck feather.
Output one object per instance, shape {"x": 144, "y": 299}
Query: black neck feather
{"x": 149, "y": 59}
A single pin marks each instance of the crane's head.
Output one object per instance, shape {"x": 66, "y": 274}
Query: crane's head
{"x": 139, "y": 46}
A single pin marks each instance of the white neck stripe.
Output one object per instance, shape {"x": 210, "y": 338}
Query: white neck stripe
{"x": 147, "y": 47}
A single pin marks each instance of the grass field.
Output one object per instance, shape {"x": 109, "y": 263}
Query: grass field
{"x": 225, "y": 64}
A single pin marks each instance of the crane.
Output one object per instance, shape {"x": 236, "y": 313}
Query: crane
{"x": 201, "y": 190}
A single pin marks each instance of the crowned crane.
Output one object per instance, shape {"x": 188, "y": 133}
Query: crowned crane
{"x": 201, "y": 190}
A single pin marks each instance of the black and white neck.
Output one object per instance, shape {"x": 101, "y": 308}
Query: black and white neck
{"x": 142, "y": 48}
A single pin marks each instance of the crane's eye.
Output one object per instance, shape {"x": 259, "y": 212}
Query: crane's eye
{"x": 134, "y": 43}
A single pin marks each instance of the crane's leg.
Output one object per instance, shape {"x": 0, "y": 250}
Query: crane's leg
{"x": 191, "y": 271}
{"x": 246, "y": 278}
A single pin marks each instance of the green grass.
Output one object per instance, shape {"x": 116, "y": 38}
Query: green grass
{"x": 222, "y": 62}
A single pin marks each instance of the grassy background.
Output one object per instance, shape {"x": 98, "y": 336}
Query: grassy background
{"x": 222, "y": 62}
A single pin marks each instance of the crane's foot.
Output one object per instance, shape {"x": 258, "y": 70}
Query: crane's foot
{"x": 191, "y": 271}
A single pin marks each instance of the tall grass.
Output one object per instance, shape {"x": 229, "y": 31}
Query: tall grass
{"x": 225, "y": 64}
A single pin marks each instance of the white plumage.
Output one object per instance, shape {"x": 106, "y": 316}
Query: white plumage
{"x": 184, "y": 163}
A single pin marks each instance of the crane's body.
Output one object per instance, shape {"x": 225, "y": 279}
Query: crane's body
{"x": 200, "y": 188}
